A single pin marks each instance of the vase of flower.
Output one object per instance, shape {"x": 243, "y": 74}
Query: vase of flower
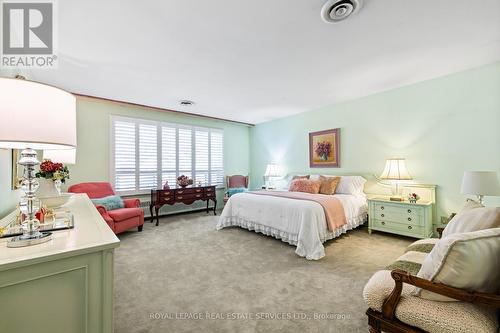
{"x": 323, "y": 150}
{"x": 413, "y": 197}
{"x": 184, "y": 181}
{"x": 50, "y": 177}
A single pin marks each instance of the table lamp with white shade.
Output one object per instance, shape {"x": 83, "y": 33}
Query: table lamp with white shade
{"x": 395, "y": 170}
{"x": 480, "y": 183}
{"x": 273, "y": 170}
{"x": 34, "y": 116}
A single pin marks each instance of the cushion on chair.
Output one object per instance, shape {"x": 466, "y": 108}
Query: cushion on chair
{"x": 431, "y": 316}
{"x": 423, "y": 245}
{"x": 469, "y": 261}
{"x": 93, "y": 189}
{"x": 473, "y": 217}
{"x": 124, "y": 213}
{"x": 110, "y": 202}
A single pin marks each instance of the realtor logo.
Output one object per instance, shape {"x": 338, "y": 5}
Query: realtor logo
{"x": 28, "y": 34}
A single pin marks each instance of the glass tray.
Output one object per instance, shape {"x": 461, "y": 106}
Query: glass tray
{"x": 62, "y": 221}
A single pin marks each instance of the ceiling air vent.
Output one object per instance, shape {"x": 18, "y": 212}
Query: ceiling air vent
{"x": 338, "y": 10}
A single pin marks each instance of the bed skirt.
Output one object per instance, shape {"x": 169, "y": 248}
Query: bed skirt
{"x": 292, "y": 239}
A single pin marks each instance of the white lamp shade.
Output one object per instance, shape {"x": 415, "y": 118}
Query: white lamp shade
{"x": 36, "y": 116}
{"x": 273, "y": 170}
{"x": 480, "y": 183}
{"x": 66, "y": 156}
{"x": 395, "y": 169}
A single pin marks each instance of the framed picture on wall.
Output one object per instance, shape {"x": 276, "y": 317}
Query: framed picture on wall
{"x": 324, "y": 149}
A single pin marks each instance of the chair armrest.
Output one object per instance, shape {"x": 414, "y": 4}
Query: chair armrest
{"x": 102, "y": 210}
{"x": 132, "y": 203}
{"x": 400, "y": 277}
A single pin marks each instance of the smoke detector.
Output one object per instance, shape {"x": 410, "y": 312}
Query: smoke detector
{"x": 186, "y": 102}
{"x": 334, "y": 11}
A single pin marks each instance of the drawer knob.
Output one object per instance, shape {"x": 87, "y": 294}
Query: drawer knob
{"x": 180, "y": 192}
{"x": 409, "y": 211}
{"x": 383, "y": 223}
{"x": 409, "y": 227}
{"x": 382, "y": 207}
{"x": 179, "y": 197}
{"x": 198, "y": 195}
{"x": 382, "y": 215}
{"x": 409, "y": 219}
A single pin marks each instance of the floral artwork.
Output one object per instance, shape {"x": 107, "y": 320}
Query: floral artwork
{"x": 324, "y": 149}
{"x": 53, "y": 171}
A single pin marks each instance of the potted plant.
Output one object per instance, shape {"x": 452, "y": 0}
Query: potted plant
{"x": 184, "y": 181}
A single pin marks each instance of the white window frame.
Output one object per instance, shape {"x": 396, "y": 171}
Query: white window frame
{"x": 159, "y": 173}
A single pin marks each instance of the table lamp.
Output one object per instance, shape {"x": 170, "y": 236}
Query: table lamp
{"x": 480, "y": 183}
{"x": 272, "y": 171}
{"x": 395, "y": 171}
{"x": 34, "y": 116}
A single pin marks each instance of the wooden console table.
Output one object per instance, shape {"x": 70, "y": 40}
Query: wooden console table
{"x": 187, "y": 195}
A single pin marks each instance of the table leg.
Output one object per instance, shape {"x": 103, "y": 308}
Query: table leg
{"x": 207, "y": 204}
{"x": 157, "y": 217}
{"x": 151, "y": 213}
{"x": 215, "y": 206}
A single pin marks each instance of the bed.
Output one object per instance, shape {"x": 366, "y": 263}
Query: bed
{"x": 301, "y": 223}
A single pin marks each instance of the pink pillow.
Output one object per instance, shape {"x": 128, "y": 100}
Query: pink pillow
{"x": 305, "y": 185}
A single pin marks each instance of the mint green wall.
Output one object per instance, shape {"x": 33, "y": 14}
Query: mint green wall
{"x": 8, "y": 198}
{"x": 93, "y": 135}
{"x": 442, "y": 127}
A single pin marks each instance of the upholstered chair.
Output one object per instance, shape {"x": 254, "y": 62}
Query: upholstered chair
{"x": 119, "y": 220}
{"x": 235, "y": 182}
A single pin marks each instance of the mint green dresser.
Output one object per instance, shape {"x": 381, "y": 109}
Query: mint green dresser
{"x": 402, "y": 218}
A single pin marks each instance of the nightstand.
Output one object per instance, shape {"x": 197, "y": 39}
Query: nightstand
{"x": 400, "y": 217}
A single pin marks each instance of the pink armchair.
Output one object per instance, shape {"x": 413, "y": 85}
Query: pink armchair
{"x": 235, "y": 182}
{"x": 119, "y": 220}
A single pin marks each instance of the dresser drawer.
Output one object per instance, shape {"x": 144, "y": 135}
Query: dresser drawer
{"x": 191, "y": 190}
{"x": 397, "y": 228}
{"x": 402, "y": 214}
{"x": 210, "y": 189}
{"x": 188, "y": 196}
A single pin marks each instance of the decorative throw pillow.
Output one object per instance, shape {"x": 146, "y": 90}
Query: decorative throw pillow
{"x": 301, "y": 177}
{"x": 473, "y": 217}
{"x": 328, "y": 184}
{"x": 469, "y": 261}
{"x": 353, "y": 185}
{"x": 234, "y": 190}
{"x": 110, "y": 203}
{"x": 305, "y": 185}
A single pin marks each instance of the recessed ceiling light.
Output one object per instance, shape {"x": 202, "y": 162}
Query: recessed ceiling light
{"x": 186, "y": 102}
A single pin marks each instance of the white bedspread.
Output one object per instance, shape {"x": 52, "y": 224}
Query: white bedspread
{"x": 297, "y": 222}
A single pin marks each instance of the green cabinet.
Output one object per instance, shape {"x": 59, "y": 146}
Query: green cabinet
{"x": 402, "y": 218}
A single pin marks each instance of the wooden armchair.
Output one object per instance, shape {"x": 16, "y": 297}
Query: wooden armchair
{"x": 235, "y": 181}
{"x": 386, "y": 320}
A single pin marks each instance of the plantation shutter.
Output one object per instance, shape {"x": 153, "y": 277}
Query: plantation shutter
{"x": 146, "y": 154}
{"x": 185, "y": 152}
{"x": 201, "y": 156}
{"x": 124, "y": 156}
{"x": 216, "y": 157}
{"x": 169, "y": 154}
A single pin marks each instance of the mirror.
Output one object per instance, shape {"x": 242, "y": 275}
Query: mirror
{"x": 17, "y": 171}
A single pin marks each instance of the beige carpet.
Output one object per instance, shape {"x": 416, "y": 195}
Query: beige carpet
{"x": 184, "y": 276}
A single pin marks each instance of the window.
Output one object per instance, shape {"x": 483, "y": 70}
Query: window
{"x": 145, "y": 154}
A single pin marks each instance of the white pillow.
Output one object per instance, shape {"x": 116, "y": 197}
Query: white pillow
{"x": 348, "y": 184}
{"x": 473, "y": 217}
{"x": 469, "y": 261}
{"x": 351, "y": 185}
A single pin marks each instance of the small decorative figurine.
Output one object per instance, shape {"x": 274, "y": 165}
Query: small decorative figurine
{"x": 166, "y": 186}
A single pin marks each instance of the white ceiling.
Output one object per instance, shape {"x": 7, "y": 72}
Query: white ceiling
{"x": 258, "y": 60}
